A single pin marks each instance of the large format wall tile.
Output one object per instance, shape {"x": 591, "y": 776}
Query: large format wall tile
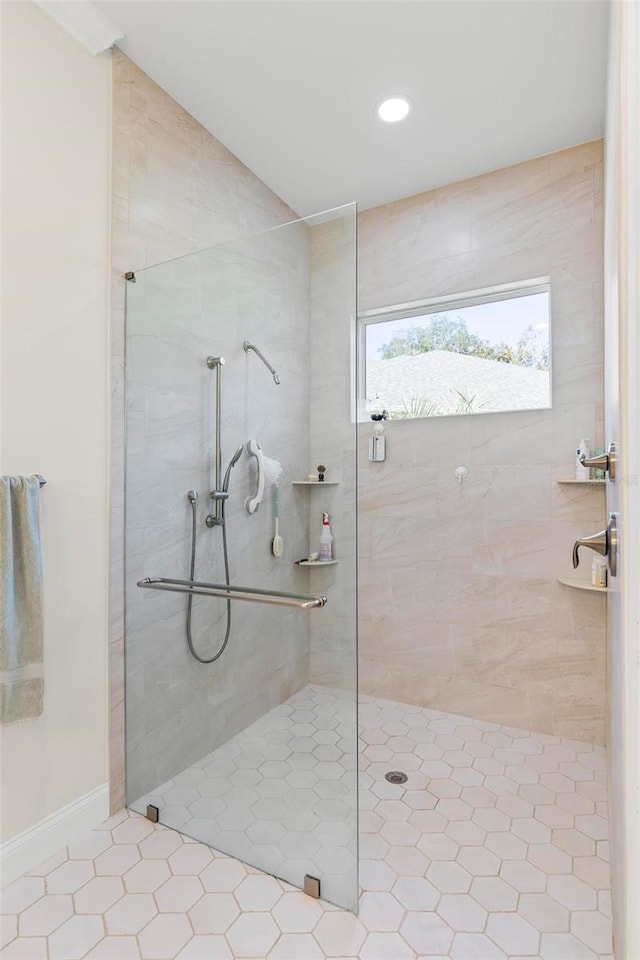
{"x": 176, "y": 190}
{"x": 460, "y": 608}
{"x": 333, "y": 442}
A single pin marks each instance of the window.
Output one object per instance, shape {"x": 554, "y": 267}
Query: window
{"x": 479, "y": 352}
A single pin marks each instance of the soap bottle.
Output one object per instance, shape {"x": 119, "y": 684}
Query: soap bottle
{"x": 326, "y": 540}
{"x": 584, "y": 450}
{"x": 598, "y": 572}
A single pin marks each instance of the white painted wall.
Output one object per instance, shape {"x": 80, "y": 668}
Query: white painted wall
{"x": 55, "y": 236}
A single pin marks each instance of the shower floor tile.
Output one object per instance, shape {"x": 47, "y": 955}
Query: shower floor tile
{"x": 495, "y": 847}
{"x": 281, "y": 795}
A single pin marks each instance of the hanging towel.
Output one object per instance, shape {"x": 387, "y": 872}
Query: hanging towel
{"x": 21, "y": 618}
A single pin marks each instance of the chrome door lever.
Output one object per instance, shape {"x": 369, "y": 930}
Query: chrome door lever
{"x": 598, "y": 542}
{"x": 601, "y": 462}
{"x": 605, "y": 461}
{"x": 605, "y": 543}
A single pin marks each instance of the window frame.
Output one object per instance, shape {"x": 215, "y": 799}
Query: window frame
{"x": 445, "y": 304}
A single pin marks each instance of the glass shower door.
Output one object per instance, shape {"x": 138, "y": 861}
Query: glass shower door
{"x": 241, "y": 695}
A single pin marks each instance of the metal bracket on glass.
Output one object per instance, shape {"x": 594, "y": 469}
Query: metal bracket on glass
{"x": 249, "y": 594}
{"x": 311, "y": 886}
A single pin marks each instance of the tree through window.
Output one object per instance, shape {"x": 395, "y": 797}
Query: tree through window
{"x": 479, "y": 353}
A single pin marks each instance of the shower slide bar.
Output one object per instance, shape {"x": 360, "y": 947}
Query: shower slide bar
{"x": 249, "y": 594}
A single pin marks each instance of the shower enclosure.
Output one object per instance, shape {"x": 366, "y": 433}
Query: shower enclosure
{"x": 241, "y": 687}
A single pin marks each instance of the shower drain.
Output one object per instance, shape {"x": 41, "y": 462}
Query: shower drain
{"x": 396, "y": 776}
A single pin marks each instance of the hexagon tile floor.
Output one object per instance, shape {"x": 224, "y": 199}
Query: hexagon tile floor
{"x": 281, "y": 795}
{"x": 496, "y": 847}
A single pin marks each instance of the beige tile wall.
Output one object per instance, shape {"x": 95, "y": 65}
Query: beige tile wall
{"x": 460, "y": 608}
{"x": 333, "y": 439}
{"x": 176, "y": 189}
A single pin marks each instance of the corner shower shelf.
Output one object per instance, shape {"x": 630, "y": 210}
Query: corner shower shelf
{"x": 316, "y": 563}
{"x": 582, "y": 585}
{"x": 315, "y": 483}
{"x": 585, "y": 483}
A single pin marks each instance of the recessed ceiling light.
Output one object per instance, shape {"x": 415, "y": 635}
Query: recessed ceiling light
{"x": 393, "y": 109}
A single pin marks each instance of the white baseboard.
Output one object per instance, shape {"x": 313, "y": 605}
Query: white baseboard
{"x": 32, "y": 846}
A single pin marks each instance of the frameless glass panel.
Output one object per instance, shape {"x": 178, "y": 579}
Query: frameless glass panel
{"x": 241, "y": 704}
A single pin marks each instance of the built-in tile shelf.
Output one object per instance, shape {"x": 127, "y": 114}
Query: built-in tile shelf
{"x": 315, "y": 483}
{"x": 582, "y": 585}
{"x": 316, "y": 563}
{"x": 586, "y": 483}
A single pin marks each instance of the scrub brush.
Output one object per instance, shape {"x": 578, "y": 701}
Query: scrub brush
{"x": 277, "y": 545}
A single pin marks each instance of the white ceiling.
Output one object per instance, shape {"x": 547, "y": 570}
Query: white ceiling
{"x": 291, "y": 87}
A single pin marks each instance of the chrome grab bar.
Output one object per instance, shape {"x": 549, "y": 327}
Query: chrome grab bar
{"x": 250, "y": 594}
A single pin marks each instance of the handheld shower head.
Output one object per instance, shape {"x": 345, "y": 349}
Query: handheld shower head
{"x": 237, "y": 455}
{"x": 232, "y": 463}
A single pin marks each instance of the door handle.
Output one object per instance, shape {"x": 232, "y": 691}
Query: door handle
{"x": 605, "y": 543}
{"x": 598, "y": 542}
{"x": 605, "y": 461}
{"x": 601, "y": 462}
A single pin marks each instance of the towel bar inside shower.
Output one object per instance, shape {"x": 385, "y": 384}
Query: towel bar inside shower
{"x": 248, "y": 594}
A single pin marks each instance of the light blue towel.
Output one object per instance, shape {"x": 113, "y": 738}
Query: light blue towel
{"x": 21, "y": 615}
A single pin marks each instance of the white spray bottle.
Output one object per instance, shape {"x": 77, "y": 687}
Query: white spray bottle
{"x": 326, "y": 540}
